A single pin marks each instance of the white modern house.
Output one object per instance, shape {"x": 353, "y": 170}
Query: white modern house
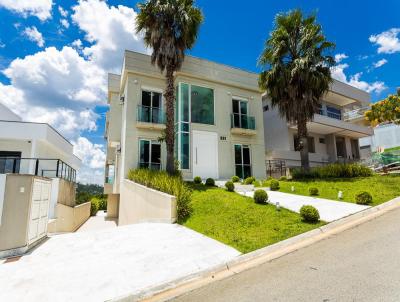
{"x": 334, "y": 132}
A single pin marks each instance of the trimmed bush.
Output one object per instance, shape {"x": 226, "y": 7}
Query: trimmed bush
{"x": 260, "y": 196}
{"x": 230, "y": 186}
{"x": 94, "y": 206}
{"x": 210, "y": 182}
{"x": 333, "y": 171}
{"x": 363, "y": 198}
{"x": 103, "y": 204}
{"x": 282, "y": 178}
{"x": 173, "y": 185}
{"x": 235, "y": 178}
{"x": 197, "y": 180}
{"x": 309, "y": 214}
{"x": 274, "y": 186}
{"x": 249, "y": 180}
{"x": 313, "y": 191}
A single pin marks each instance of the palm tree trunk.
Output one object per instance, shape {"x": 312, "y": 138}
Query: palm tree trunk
{"x": 169, "y": 130}
{"x": 303, "y": 133}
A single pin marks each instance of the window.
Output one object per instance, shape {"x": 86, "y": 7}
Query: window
{"x": 202, "y": 105}
{"x": 322, "y": 140}
{"x": 150, "y": 111}
{"x": 242, "y": 161}
{"x": 333, "y": 112}
{"x": 310, "y": 140}
{"x": 239, "y": 109}
{"x": 182, "y": 126}
{"x": 265, "y": 108}
{"x": 9, "y": 162}
{"x": 149, "y": 154}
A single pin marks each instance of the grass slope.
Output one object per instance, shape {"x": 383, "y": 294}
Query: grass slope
{"x": 239, "y": 222}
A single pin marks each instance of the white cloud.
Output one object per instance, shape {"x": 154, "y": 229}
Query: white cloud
{"x": 2, "y": 45}
{"x": 111, "y": 30}
{"x": 38, "y": 8}
{"x": 380, "y": 63}
{"x": 34, "y": 35}
{"x": 77, "y": 44}
{"x": 340, "y": 57}
{"x": 388, "y": 41}
{"x": 62, "y": 11}
{"x": 65, "y": 23}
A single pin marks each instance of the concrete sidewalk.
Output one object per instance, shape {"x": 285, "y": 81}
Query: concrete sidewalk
{"x": 329, "y": 210}
{"x": 98, "y": 222}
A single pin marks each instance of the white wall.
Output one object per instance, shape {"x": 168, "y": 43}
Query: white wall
{"x": 386, "y": 136}
{"x": 3, "y": 178}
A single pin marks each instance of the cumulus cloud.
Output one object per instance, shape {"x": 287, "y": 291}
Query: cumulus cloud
{"x": 64, "y": 23}
{"x": 62, "y": 11}
{"x": 388, "y": 41}
{"x": 38, "y": 8}
{"x": 34, "y": 35}
{"x": 340, "y": 57}
{"x": 380, "y": 63}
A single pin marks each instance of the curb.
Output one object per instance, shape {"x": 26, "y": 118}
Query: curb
{"x": 250, "y": 260}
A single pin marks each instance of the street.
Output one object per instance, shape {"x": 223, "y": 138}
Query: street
{"x": 360, "y": 264}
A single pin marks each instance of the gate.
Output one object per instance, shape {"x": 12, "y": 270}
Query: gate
{"x": 276, "y": 168}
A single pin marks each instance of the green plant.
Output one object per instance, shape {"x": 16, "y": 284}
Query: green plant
{"x": 363, "y": 198}
{"x": 309, "y": 214}
{"x": 103, "y": 204}
{"x": 197, "y": 180}
{"x": 313, "y": 191}
{"x": 210, "y": 182}
{"x": 283, "y": 178}
{"x": 230, "y": 186}
{"x": 260, "y": 196}
{"x": 333, "y": 171}
{"x": 274, "y": 185}
{"x": 235, "y": 178}
{"x": 94, "y": 206}
{"x": 249, "y": 180}
{"x": 173, "y": 185}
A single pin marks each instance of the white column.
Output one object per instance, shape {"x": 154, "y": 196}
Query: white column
{"x": 32, "y": 162}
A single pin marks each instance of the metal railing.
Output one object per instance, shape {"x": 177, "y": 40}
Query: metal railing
{"x": 355, "y": 114}
{"x": 47, "y": 167}
{"x": 148, "y": 114}
{"x": 243, "y": 121}
{"x": 276, "y": 168}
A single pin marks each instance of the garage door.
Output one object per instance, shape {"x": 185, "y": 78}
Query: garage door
{"x": 39, "y": 210}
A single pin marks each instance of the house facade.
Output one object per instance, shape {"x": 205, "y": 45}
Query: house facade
{"x": 334, "y": 132}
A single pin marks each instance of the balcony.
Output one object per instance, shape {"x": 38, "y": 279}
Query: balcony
{"x": 150, "y": 118}
{"x": 243, "y": 124}
{"x": 355, "y": 115}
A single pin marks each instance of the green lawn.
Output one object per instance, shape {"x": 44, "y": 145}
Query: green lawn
{"x": 392, "y": 149}
{"x": 239, "y": 222}
{"x": 382, "y": 188}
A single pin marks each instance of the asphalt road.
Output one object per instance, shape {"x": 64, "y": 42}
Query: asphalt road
{"x": 360, "y": 264}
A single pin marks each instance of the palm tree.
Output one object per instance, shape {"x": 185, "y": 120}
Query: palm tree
{"x": 169, "y": 28}
{"x": 296, "y": 71}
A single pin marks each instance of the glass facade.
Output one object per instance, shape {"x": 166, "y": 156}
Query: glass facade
{"x": 242, "y": 161}
{"x": 182, "y": 126}
{"x": 202, "y": 105}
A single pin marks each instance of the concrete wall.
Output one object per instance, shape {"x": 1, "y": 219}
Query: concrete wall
{"x": 112, "y": 205}
{"x": 386, "y": 136}
{"x": 66, "y": 193}
{"x": 141, "y": 204}
{"x": 69, "y": 219}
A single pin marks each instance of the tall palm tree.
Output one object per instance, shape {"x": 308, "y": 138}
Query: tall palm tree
{"x": 169, "y": 27}
{"x": 296, "y": 71}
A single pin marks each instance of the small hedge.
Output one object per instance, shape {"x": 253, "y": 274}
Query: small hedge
{"x": 333, "y": 171}
{"x": 173, "y": 185}
{"x": 363, "y": 198}
{"x": 309, "y": 214}
{"x": 230, "y": 186}
{"x": 210, "y": 182}
{"x": 274, "y": 186}
{"x": 260, "y": 196}
{"x": 249, "y": 180}
{"x": 235, "y": 178}
{"x": 197, "y": 180}
{"x": 94, "y": 206}
{"x": 283, "y": 178}
{"x": 313, "y": 191}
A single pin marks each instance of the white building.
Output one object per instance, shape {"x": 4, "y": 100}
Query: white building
{"x": 385, "y": 136}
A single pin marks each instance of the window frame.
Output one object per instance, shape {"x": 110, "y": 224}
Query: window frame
{"x": 151, "y": 142}
{"x": 242, "y": 146}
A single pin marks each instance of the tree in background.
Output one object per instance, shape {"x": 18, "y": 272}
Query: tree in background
{"x": 296, "y": 71}
{"x": 385, "y": 111}
{"x": 169, "y": 27}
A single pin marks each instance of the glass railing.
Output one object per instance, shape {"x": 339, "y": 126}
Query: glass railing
{"x": 151, "y": 166}
{"x": 355, "y": 114}
{"x": 150, "y": 115}
{"x": 243, "y": 121}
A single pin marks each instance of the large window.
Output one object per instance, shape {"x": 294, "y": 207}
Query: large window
{"x": 9, "y": 162}
{"x": 310, "y": 140}
{"x": 333, "y": 112}
{"x": 202, "y": 105}
{"x": 150, "y": 111}
{"x": 149, "y": 154}
{"x": 239, "y": 109}
{"x": 242, "y": 161}
{"x": 182, "y": 129}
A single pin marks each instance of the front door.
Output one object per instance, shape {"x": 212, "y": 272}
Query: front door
{"x": 205, "y": 154}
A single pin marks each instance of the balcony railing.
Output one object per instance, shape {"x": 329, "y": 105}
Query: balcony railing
{"x": 151, "y": 166}
{"x": 148, "y": 114}
{"x": 355, "y": 114}
{"x": 47, "y": 167}
{"x": 243, "y": 121}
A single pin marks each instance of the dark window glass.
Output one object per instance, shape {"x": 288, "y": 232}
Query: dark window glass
{"x": 146, "y": 98}
{"x": 242, "y": 161}
{"x": 235, "y": 106}
{"x": 156, "y": 102}
{"x": 10, "y": 162}
{"x": 185, "y": 148}
{"x": 238, "y": 154}
{"x": 202, "y": 105}
{"x": 144, "y": 151}
{"x": 156, "y": 153}
{"x": 246, "y": 156}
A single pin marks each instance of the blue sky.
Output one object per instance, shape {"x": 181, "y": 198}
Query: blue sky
{"x": 54, "y": 55}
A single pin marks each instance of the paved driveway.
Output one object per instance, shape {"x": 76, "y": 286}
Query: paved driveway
{"x": 101, "y": 265}
{"x": 329, "y": 210}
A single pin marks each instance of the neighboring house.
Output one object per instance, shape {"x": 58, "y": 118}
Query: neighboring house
{"x": 218, "y": 122}
{"x": 385, "y": 136}
{"x": 334, "y": 132}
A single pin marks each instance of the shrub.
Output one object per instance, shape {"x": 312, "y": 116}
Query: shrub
{"x": 210, "y": 182}
{"x": 230, "y": 186}
{"x": 103, "y": 204}
{"x": 260, "y": 196}
{"x": 309, "y": 214}
{"x": 313, "y": 191}
{"x": 94, "y": 206}
{"x": 333, "y": 171}
{"x": 257, "y": 184}
{"x": 282, "y": 178}
{"x": 235, "y": 178}
{"x": 363, "y": 198}
{"x": 249, "y": 180}
{"x": 173, "y": 185}
{"x": 197, "y": 180}
{"x": 274, "y": 186}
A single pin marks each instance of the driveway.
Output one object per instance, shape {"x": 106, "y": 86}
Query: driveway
{"x": 110, "y": 263}
{"x": 329, "y": 210}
